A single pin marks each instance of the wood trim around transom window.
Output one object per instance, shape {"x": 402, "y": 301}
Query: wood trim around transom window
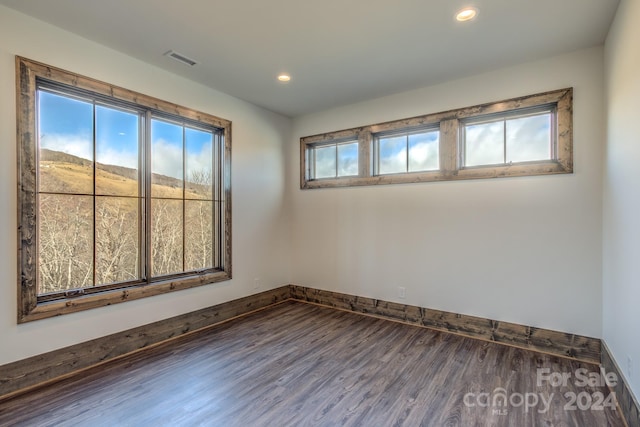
{"x": 449, "y": 123}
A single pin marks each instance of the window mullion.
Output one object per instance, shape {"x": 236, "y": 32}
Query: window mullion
{"x": 504, "y": 141}
{"x": 218, "y": 230}
{"x": 94, "y": 195}
{"x": 142, "y": 207}
{"x": 450, "y": 149}
{"x": 184, "y": 197}
{"x": 146, "y": 175}
{"x": 364, "y": 154}
{"x": 376, "y": 155}
{"x": 406, "y": 159}
{"x": 337, "y": 168}
{"x": 553, "y": 150}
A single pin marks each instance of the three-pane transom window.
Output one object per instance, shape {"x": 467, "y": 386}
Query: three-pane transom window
{"x": 531, "y": 135}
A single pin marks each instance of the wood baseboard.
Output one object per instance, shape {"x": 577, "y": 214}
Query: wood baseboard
{"x": 23, "y": 375}
{"x": 26, "y": 374}
{"x": 543, "y": 340}
{"x": 626, "y": 400}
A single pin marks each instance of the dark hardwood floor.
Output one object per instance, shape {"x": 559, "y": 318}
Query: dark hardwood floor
{"x": 298, "y": 364}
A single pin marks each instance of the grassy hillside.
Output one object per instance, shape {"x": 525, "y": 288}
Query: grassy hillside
{"x": 65, "y": 173}
{"x": 74, "y": 228}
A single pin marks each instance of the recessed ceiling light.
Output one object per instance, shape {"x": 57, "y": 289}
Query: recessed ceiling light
{"x": 467, "y": 14}
{"x": 284, "y": 78}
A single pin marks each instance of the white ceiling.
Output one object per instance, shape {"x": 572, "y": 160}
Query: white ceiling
{"x": 337, "y": 51}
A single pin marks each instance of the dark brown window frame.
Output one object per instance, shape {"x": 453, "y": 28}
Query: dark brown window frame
{"x": 28, "y": 73}
{"x": 450, "y": 123}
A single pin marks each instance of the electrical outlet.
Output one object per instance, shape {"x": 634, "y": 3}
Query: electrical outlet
{"x": 402, "y": 292}
{"x": 256, "y": 283}
{"x": 629, "y": 367}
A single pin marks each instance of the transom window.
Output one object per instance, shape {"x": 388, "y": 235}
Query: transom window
{"x": 130, "y": 195}
{"x": 531, "y": 135}
{"x": 333, "y": 160}
{"x": 525, "y": 136}
{"x": 405, "y": 152}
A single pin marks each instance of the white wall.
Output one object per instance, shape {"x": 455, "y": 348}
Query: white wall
{"x": 621, "y": 268}
{"x": 260, "y": 239}
{"x": 524, "y": 250}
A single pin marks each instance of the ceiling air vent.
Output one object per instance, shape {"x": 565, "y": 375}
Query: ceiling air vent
{"x": 179, "y": 57}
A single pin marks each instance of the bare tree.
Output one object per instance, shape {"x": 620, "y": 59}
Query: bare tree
{"x": 67, "y": 242}
{"x": 116, "y": 239}
{"x": 198, "y": 234}
{"x": 199, "y": 183}
{"x": 166, "y": 236}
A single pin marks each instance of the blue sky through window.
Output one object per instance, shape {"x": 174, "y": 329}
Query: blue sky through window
{"x": 67, "y": 125}
{"x": 518, "y": 139}
{"x": 116, "y": 137}
{"x": 336, "y": 160}
{"x": 424, "y": 148}
{"x": 168, "y": 143}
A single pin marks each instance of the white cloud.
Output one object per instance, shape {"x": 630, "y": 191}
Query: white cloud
{"x": 166, "y": 159}
{"x": 424, "y": 156}
{"x": 200, "y": 161}
{"x": 348, "y": 159}
{"x": 75, "y": 145}
{"x": 325, "y": 162}
{"x": 484, "y": 144}
{"x": 393, "y": 155}
{"x": 110, "y": 156}
{"x": 529, "y": 138}
{"x": 82, "y": 147}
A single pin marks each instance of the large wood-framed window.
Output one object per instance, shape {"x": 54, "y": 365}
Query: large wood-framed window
{"x": 530, "y": 135}
{"x": 121, "y": 195}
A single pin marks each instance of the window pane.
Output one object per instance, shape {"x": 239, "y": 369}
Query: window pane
{"x": 529, "y": 138}
{"x": 348, "y": 159}
{"x": 65, "y": 242}
{"x": 199, "y": 162}
{"x": 484, "y": 144}
{"x": 393, "y": 154}
{"x": 65, "y": 144}
{"x": 117, "y": 239}
{"x": 116, "y": 152}
{"x": 424, "y": 151}
{"x": 198, "y": 235}
{"x": 166, "y": 236}
{"x": 166, "y": 159}
{"x": 325, "y": 162}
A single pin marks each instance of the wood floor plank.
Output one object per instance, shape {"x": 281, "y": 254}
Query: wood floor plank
{"x": 300, "y": 364}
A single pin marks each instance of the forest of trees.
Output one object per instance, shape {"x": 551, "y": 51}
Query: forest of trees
{"x": 75, "y": 226}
